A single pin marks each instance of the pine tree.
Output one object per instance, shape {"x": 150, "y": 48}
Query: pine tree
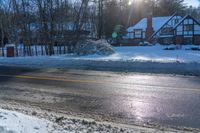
{"x": 168, "y": 7}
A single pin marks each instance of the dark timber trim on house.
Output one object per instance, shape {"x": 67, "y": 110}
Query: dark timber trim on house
{"x": 188, "y": 35}
{"x": 154, "y": 34}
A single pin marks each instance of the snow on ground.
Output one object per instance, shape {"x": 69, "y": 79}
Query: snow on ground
{"x": 150, "y": 59}
{"x": 127, "y": 53}
{"x": 13, "y": 122}
{"x": 150, "y": 53}
{"x": 88, "y": 47}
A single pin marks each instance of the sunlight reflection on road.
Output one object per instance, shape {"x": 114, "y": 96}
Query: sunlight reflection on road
{"x": 154, "y": 99}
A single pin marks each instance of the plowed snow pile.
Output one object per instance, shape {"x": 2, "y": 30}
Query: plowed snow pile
{"x": 13, "y": 122}
{"x": 89, "y": 47}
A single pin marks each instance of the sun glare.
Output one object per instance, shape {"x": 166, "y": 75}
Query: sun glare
{"x": 130, "y": 2}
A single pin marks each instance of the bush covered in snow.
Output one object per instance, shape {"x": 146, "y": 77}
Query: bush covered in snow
{"x": 88, "y": 47}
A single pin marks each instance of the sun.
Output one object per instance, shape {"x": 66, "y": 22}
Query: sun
{"x": 130, "y": 2}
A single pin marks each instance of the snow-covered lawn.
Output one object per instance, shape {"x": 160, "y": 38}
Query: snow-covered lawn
{"x": 150, "y": 59}
{"x": 150, "y": 53}
{"x": 132, "y": 53}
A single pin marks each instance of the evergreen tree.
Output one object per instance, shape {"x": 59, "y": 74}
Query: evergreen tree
{"x": 168, "y": 7}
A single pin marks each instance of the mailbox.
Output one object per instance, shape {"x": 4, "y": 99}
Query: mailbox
{"x": 10, "y": 51}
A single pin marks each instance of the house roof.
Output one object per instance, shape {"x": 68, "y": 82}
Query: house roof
{"x": 173, "y": 24}
{"x": 158, "y": 22}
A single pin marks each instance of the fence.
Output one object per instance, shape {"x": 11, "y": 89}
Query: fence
{"x": 36, "y": 50}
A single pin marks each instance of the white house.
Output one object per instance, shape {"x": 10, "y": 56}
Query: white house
{"x": 165, "y": 30}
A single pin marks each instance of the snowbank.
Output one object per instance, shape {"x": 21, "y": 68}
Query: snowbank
{"x": 88, "y": 47}
{"x": 13, "y": 122}
{"x": 150, "y": 59}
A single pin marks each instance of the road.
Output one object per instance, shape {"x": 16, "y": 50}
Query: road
{"x": 118, "y": 97}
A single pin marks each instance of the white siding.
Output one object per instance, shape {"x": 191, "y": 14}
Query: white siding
{"x": 197, "y": 29}
{"x": 144, "y": 35}
{"x": 179, "y": 29}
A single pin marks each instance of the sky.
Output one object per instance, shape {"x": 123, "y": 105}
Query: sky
{"x": 194, "y": 3}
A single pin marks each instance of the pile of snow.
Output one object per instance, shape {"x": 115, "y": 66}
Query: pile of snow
{"x": 90, "y": 47}
{"x": 13, "y": 122}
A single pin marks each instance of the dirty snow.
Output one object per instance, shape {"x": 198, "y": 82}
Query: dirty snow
{"x": 13, "y": 122}
{"x": 88, "y": 47}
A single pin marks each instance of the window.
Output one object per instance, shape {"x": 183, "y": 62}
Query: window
{"x": 188, "y": 27}
{"x": 167, "y": 41}
{"x": 167, "y": 31}
{"x": 176, "y": 21}
{"x": 131, "y": 35}
{"x": 138, "y": 33}
{"x": 188, "y": 40}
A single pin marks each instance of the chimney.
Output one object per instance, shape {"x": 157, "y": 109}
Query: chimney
{"x": 149, "y": 29}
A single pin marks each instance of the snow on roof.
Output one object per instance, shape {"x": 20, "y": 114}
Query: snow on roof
{"x": 157, "y": 23}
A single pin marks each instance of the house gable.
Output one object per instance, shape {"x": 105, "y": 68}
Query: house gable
{"x": 157, "y": 24}
{"x": 188, "y": 26}
{"x": 187, "y": 31}
{"x": 167, "y": 29}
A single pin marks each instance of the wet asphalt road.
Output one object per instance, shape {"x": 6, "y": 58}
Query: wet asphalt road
{"x": 126, "y": 98}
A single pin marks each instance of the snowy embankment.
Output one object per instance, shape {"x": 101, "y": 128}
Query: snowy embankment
{"x": 150, "y": 59}
{"x": 14, "y": 122}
